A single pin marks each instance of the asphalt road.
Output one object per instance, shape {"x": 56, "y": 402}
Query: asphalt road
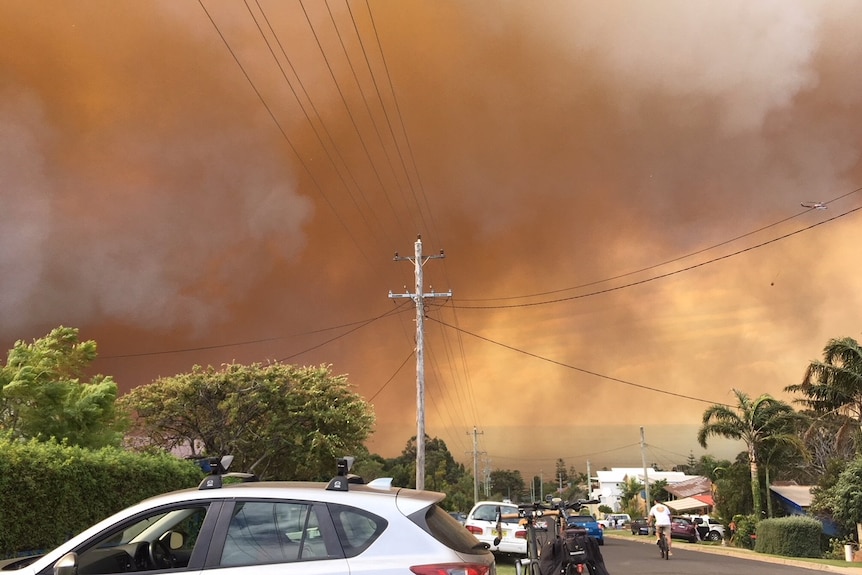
{"x": 641, "y": 557}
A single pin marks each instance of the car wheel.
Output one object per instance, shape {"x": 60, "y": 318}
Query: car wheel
{"x": 714, "y": 536}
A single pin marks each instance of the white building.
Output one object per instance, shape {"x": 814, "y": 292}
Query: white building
{"x": 609, "y": 485}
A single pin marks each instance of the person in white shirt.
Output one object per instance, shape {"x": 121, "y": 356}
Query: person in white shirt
{"x": 660, "y": 516}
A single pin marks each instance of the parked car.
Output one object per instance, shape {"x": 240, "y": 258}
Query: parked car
{"x": 708, "y": 528}
{"x": 589, "y": 523}
{"x": 458, "y": 516}
{"x": 253, "y": 528}
{"x": 482, "y": 523}
{"x": 615, "y": 520}
{"x": 641, "y": 526}
{"x": 683, "y": 528}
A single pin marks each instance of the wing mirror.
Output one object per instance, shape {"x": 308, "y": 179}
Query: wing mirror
{"x": 174, "y": 540}
{"x": 67, "y": 564}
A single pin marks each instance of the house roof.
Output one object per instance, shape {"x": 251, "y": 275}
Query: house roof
{"x": 620, "y": 474}
{"x": 697, "y": 485}
{"x": 686, "y": 504}
{"x": 798, "y": 494}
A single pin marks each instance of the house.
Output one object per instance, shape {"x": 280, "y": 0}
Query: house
{"x": 610, "y": 484}
{"x": 796, "y": 500}
{"x": 692, "y": 495}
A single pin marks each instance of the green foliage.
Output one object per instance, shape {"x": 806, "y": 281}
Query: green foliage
{"x": 707, "y": 466}
{"x": 507, "y": 484}
{"x": 44, "y": 396}
{"x": 746, "y": 529}
{"x": 658, "y": 490}
{"x": 834, "y": 384}
{"x": 55, "y": 491}
{"x": 733, "y": 489}
{"x": 630, "y": 497}
{"x": 843, "y": 498}
{"x": 789, "y": 537}
{"x": 442, "y": 472}
{"x": 834, "y": 549}
{"x": 606, "y": 509}
{"x": 756, "y": 423}
{"x": 278, "y": 421}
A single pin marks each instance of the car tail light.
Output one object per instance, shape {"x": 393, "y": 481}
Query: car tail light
{"x": 520, "y": 535}
{"x": 474, "y": 530}
{"x": 451, "y": 569}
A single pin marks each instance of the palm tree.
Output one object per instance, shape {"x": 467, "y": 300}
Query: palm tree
{"x": 834, "y": 385}
{"x": 757, "y": 422}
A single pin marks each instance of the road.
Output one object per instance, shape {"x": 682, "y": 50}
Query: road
{"x": 624, "y": 556}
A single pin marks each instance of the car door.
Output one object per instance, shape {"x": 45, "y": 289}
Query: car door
{"x": 273, "y": 536}
{"x": 165, "y": 539}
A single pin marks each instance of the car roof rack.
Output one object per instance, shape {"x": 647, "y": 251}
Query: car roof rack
{"x": 219, "y": 469}
{"x": 343, "y": 478}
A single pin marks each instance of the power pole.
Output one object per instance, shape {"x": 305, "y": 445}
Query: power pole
{"x": 418, "y": 298}
{"x": 646, "y": 477}
{"x": 476, "y": 452}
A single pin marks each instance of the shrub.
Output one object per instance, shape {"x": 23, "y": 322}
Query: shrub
{"x": 55, "y": 491}
{"x": 746, "y": 529}
{"x": 789, "y": 536}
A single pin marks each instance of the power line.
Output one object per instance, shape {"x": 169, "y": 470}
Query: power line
{"x": 283, "y": 133}
{"x": 586, "y": 371}
{"x": 660, "y": 276}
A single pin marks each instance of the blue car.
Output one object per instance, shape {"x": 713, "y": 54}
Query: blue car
{"x": 589, "y": 523}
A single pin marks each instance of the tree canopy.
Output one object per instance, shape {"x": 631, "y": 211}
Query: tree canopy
{"x": 45, "y": 395}
{"x": 279, "y": 421}
{"x": 759, "y": 422}
{"x": 843, "y": 498}
{"x": 834, "y": 385}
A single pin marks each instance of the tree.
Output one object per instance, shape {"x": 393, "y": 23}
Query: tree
{"x": 442, "y": 472}
{"x": 834, "y": 385}
{"x": 44, "y": 393}
{"x": 277, "y": 420}
{"x": 630, "y": 493}
{"x": 733, "y": 489}
{"x": 843, "y": 499}
{"x": 708, "y": 466}
{"x": 508, "y": 484}
{"x": 752, "y": 421}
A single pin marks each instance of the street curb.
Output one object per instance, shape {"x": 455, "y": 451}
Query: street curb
{"x": 752, "y": 555}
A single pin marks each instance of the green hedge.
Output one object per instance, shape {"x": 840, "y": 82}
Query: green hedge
{"x": 796, "y": 536}
{"x": 50, "y": 492}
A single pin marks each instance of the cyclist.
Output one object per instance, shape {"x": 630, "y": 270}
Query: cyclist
{"x": 660, "y": 515}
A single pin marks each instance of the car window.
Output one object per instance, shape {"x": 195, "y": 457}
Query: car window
{"x": 356, "y": 528}
{"x": 489, "y": 513}
{"x": 272, "y": 532}
{"x": 164, "y": 539}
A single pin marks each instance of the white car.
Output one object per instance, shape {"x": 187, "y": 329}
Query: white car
{"x": 269, "y": 528}
{"x": 482, "y": 523}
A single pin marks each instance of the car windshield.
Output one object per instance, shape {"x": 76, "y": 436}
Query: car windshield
{"x": 581, "y": 519}
{"x": 489, "y": 513}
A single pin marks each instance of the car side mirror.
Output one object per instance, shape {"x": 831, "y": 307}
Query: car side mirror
{"x": 67, "y": 564}
{"x": 174, "y": 539}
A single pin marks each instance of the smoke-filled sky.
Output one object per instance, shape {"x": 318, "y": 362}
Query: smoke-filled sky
{"x": 617, "y": 187}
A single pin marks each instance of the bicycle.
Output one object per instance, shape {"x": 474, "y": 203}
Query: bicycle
{"x": 566, "y": 552}
{"x": 662, "y": 542}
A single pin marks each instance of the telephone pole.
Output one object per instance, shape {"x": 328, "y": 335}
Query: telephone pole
{"x": 476, "y": 452}
{"x": 646, "y": 477}
{"x": 418, "y": 298}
